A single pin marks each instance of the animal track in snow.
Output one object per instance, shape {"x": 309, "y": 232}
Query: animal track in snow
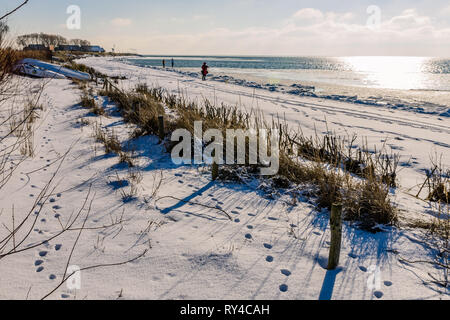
{"x": 43, "y": 253}
{"x": 378, "y": 294}
{"x": 284, "y": 288}
{"x": 388, "y": 283}
{"x": 286, "y": 272}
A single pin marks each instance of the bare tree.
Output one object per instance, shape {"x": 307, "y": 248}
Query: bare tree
{"x": 41, "y": 38}
{"x": 4, "y": 29}
{"x": 14, "y": 10}
{"x": 80, "y": 42}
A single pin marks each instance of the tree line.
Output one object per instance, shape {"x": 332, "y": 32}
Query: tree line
{"x": 48, "y": 40}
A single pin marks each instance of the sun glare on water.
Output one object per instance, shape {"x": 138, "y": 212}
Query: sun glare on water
{"x": 390, "y": 72}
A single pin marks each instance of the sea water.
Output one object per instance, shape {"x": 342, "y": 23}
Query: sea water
{"x": 421, "y": 82}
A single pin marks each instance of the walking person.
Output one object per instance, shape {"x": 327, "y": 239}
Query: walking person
{"x": 164, "y": 63}
{"x": 173, "y": 63}
{"x": 204, "y": 71}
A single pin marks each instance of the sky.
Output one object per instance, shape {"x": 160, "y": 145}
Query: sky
{"x": 247, "y": 27}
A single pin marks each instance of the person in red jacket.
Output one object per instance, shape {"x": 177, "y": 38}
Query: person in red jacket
{"x": 204, "y": 71}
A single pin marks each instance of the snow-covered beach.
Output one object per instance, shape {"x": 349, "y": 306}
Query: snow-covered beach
{"x": 270, "y": 249}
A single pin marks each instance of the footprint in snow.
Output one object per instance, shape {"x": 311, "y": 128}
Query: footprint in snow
{"x": 58, "y": 247}
{"x": 286, "y": 272}
{"x": 363, "y": 269}
{"x": 43, "y": 253}
{"x": 52, "y": 277}
{"x": 56, "y": 207}
{"x": 234, "y": 212}
{"x": 40, "y": 269}
{"x": 250, "y": 227}
{"x": 248, "y": 236}
{"x": 269, "y": 259}
{"x": 237, "y": 220}
{"x": 352, "y": 255}
{"x": 239, "y": 208}
{"x": 37, "y": 263}
{"x": 272, "y": 219}
{"x": 268, "y": 246}
{"x": 284, "y": 288}
{"x": 252, "y": 215}
{"x": 388, "y": 283}
{"x": 378, "y": 294}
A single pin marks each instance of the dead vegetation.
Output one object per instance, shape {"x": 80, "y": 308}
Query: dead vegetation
{"x": 109, "y": 139}
{"x": 332, "y": 162}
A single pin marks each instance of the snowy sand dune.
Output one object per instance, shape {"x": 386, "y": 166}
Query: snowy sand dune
{"x": 269, "y": 250}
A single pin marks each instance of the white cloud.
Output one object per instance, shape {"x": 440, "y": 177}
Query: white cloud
{"x": 328, "y": 33}
{"x": 308, "y": 14}
{"x": 121, "y": 22}
{"x": 446, "y": 11}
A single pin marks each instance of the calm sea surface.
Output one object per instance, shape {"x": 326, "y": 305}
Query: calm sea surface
{"x": 405, "y": 73}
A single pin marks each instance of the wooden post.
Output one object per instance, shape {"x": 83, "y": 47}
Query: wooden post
{"x": 215, "y": 170}
{"x": 336, "y": 236}
{"x": 162, "y": 131}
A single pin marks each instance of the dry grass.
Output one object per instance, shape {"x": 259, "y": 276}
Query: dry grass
{"x": 332, "y": 161}
{"x": 438, "y": 183}
{"x": 109, "y": 140}
{"x": 138, "y": 108}
{"x": 87, "y": 101}
{"x": 83, "y": 68}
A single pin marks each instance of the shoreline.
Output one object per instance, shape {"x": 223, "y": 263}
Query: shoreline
{"x": 413, "y": 100}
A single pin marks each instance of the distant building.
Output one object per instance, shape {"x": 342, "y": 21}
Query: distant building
{"x": 92, "y": 49}
{"x": 35, "y": 47}
{"x": 68, "y": 47}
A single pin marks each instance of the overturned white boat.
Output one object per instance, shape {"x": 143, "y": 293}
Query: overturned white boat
{"x": 40, "y": 69}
